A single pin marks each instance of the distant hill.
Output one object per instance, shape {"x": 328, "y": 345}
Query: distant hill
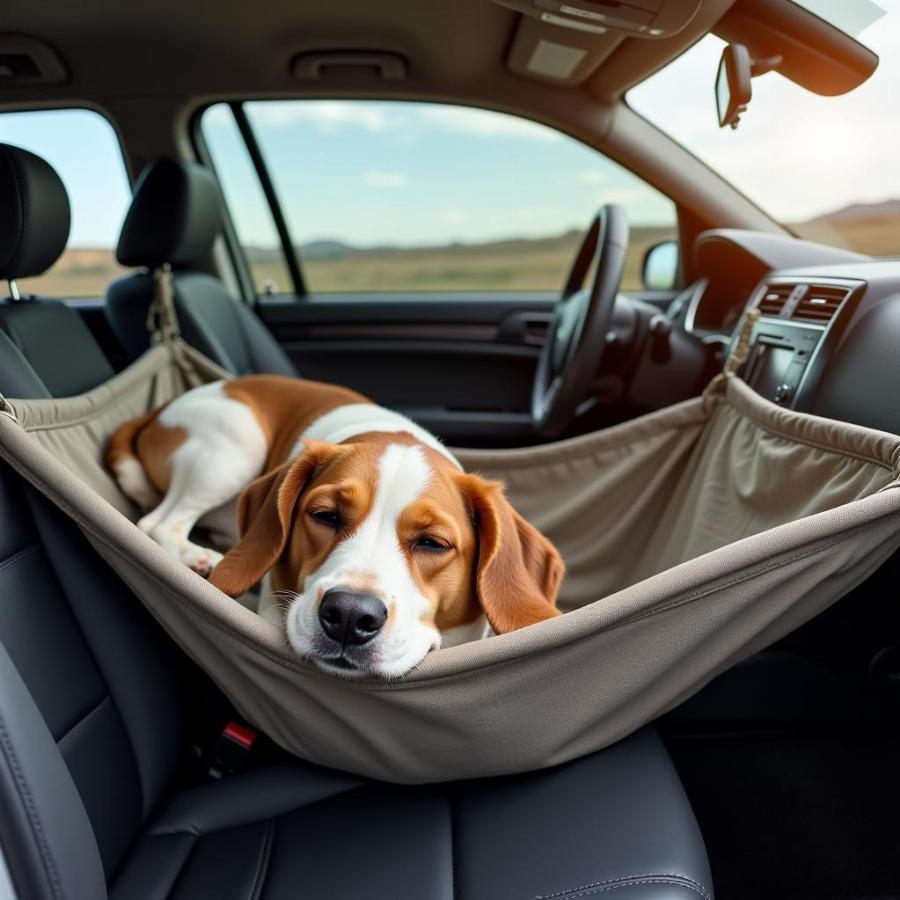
{"x": 331, "y": 249}
{"x": 515, "y": 263}
{"x": 872, "y": 228}
{"x": 325, "y": 249}
{"x": 863, "y": 212}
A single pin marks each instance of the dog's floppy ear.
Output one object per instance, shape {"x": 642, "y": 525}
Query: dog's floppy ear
{"x": 519, "y": 570}
{"x": 265, "y": 514}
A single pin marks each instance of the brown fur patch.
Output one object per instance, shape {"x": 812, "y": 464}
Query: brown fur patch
{"x": 154, "y": 448}
{"x": 519, "y": 570}
{"x": 121, "y": 445}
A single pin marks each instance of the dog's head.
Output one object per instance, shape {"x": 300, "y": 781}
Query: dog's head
{"x": 382, "y": 544}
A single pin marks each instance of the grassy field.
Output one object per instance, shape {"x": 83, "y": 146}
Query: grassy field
{"x": 525, "y": 265}
{"x": 512, "y": 265}
{"x": 80, "y": 272}
{"x": 517, "y": 265}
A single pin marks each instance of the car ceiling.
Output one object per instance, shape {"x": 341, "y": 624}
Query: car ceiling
{"x": 115, "y": 50}
{"x": 150, "y": 64}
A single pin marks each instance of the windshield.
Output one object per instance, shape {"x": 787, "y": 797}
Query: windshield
{"x": 826, "y": 167}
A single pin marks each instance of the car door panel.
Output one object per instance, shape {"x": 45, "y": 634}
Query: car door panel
{"x": 460, "y": 364}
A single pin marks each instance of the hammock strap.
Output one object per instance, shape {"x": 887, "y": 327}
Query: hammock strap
{"x": 162, "y": 320}
{"x": 740, "y": 350}
{"x": 6, "y": 409}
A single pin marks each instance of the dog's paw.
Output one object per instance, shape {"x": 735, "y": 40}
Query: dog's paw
{"x": 201, "y": 559}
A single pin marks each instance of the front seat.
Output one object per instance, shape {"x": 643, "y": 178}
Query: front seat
{"x": 174, "y": 219}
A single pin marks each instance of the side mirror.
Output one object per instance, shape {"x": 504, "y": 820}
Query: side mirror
{"x": 659, "y": 270}
{"x": 733, "y": 86}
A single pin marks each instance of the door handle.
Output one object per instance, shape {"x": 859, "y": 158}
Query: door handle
{"x": 529, "y": 328}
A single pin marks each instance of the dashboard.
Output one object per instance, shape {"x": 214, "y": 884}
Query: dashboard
{"x": 828, "y": 337}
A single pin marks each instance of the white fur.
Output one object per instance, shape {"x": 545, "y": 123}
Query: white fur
{"x": 373, "y": 553}
{"x": 224, "y": 451}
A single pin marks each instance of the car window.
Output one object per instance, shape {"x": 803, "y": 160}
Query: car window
{"x": 403, "y": 196}
{"x": 824, "y": 166}
{"x": 83, "y": 148}
{"x": 246, "y": 201}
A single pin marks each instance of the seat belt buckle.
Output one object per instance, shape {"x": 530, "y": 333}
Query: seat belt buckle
{"x": 230, "y": 751}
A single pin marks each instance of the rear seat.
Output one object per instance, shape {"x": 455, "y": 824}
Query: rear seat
{"x": 92, "y": 726}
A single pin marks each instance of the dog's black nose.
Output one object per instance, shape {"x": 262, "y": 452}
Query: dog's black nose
{"x": 351, "y": 617}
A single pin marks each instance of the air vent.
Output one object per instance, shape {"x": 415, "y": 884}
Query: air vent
{"x": 774, "y": 298}
{"x": 820, "y": 303}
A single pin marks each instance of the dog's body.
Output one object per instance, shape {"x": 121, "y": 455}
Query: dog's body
{"x": 361, "y": 517}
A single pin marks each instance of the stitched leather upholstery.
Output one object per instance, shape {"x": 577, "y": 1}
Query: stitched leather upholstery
{"x": 612, "y": 821}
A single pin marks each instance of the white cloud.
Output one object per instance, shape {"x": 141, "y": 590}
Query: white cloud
{"x": 399, "y": 118}
{"x": 627, "y": 196}
{"x": 451, "y": 217}
{"x": 591, "y": 176}
{"x": 385, "y": 179}
{"x": 325, "y": 115}
{"x": 485, "y": 122}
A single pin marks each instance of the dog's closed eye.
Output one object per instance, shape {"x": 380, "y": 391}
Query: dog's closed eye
{"x": 431, "y": 544}
{"x": 331, "y": 518}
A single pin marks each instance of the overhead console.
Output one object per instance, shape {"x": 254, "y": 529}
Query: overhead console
{"x": 564, "y": 41}
{"x": 633, "y": 18}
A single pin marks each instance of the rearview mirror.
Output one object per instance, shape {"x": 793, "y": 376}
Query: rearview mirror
{"x": 659, "y": 271}
{"x": 733, "y": 86}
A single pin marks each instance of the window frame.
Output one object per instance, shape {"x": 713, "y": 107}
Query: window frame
{"x": 58, "y": 106}
{"x": 292, "y": 257}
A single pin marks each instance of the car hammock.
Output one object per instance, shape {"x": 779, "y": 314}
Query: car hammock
{"x": 693, "y": 536}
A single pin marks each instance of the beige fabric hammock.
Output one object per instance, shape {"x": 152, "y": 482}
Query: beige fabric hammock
{"x": 693, "y": 537}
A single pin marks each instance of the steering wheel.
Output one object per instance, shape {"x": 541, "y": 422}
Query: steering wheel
{"x": 573, "y": 350}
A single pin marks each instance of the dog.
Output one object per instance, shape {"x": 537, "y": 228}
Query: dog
{"x": 374, "y": 547}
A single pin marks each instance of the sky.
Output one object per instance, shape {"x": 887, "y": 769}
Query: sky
{"x": 369, "y": 173}
{"x": 796, "y": 154}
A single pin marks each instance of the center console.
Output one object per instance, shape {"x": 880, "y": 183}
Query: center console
{"x": 799, "y": 324}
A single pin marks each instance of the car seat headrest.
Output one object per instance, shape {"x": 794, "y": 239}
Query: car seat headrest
{"x": 174, "y": 217}
{"x": 34, "y": 214}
